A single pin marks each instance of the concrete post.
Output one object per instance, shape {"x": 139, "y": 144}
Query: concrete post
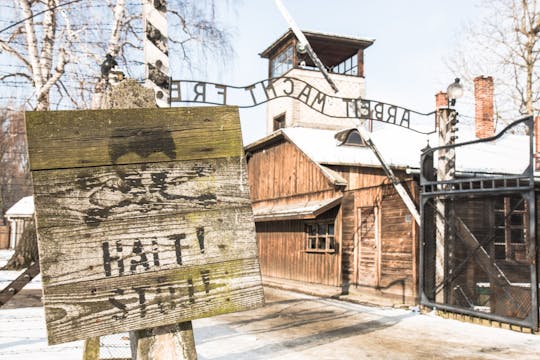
{"x": 444, "y": 209}
{"x": 156, "y": 53}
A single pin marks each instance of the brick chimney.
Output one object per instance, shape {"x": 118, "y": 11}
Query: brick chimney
{"x": 483, "y": 104}
{"x": 441, "y": 101}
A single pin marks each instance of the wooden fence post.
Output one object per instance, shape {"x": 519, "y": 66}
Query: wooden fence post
{"x": 164, "y": 342}
{"x": 91, "y": 349}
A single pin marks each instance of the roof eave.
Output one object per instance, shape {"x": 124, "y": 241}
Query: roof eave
{"x": 360, "y": 42}
{"x": 254, "y": 146}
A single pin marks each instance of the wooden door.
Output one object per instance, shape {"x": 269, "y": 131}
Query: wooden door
{"x": 368, "y": 247}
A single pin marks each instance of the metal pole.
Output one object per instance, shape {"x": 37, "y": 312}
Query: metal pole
{"x": 304, "y": 42}
{"x": 388, "y": 171}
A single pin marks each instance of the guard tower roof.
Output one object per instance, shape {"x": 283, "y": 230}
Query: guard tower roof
{"x": 331, "y": 49}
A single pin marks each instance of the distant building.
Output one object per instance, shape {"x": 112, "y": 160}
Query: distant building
{"x": 344, "y": 57}
{"x": 318, "y": 197}
{"x": 326, "y": 212}
{"x": 19, "y": 216}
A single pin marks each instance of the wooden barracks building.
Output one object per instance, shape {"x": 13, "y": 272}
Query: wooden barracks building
{"x": 327, "y": 213}
{"x": 324, "y": 209}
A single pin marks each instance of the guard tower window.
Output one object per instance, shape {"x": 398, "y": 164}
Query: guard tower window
{"x": 279, "y": 122}
{"x": 282, "y": 63}
{"x": 348, "y": 66}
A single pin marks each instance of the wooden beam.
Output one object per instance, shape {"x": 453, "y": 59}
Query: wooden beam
{"x": 91, "y": 349}
{"x": 86, "y": 138}
{"x": 20, "y": 282}
{"x": 164, "y": 342}
{"x": 483, "y": 259}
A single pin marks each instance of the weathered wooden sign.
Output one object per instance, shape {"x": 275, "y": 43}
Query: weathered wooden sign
{"x": 144, "y": 218}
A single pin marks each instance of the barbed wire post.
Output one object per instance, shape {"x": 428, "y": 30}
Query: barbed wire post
{"x": 446, "y": 169}
{"x": 156, "y": 53}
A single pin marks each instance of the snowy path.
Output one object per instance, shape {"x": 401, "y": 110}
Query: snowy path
{"x": 293, "y": 326}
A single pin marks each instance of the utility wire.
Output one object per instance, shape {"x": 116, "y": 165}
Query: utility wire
{"x": 38, "y": 13}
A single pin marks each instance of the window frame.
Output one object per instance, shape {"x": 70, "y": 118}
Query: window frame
{"x": 349, "y": 141}
{"x": 348, "y": 67}
{"x": 282, "y": 62}
{"x": 506, "y": 212}
{"x": 315, "y": 237}
{"x": 278, "y": 121}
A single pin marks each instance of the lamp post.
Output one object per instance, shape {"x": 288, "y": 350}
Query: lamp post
{"x": 446, "y": 168}
{"x": 454, "y": 91}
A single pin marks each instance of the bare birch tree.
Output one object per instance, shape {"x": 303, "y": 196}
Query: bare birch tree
{"x": 53, "y": 59}
{"x": 505, "y": 43}
{"x": 35, "y": 46}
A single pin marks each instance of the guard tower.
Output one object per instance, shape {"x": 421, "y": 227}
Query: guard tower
{"x": 344, "y": 59}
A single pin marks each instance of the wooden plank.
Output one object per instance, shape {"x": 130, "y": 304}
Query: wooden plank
{"x": 91, "y": 349}
{"x": 133, "y": 236}
{"x": 66, "y": 139}
{"x": 113, "y": 305}
{"x": 20, "y": 282}
{"x": 164, "y": 342}
{"x": 144, "y": 245}
{"x": 101, "y": 195}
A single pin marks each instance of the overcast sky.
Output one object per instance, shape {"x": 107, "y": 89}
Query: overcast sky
{"x": 404, "y": 66}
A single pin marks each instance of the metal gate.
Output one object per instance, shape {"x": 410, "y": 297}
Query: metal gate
{"x": 478, "y": 237}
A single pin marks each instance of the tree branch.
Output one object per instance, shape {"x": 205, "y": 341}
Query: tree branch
{"x": 58, "y": 71}
{"x": 31, "y": 42}
{"x": 18, "y": 74}
{"x": 118, "y": 20}
{"x": 49, "y": 38}
{"x": 7, "y": 48}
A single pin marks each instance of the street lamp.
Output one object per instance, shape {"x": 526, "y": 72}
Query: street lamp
{"x": 454, "y": 91}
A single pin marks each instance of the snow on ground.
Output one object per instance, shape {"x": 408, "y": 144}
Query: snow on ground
{"x": 291, "y": 326}
{"x": 23, "y": 333}
{"x": 23, "y": 337}
{"x": 7, "y": 277}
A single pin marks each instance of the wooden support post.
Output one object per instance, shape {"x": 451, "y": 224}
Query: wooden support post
{"x": 91, "y": 349}
{"x": 176, "y": 341}
{"x": 164, "y": 342}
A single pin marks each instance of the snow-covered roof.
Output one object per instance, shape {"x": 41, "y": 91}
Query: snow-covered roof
{"x": 322, "y": 147}
{"x": 401, "y": 148}
{"x": 23, "y": 208}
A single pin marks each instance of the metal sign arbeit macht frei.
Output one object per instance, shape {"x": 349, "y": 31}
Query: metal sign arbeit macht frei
{"x": 334, "y": 106}
{"x": 143, "y": 216}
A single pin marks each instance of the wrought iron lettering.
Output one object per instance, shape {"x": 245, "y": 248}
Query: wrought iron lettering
{"x": 191, "y": 91}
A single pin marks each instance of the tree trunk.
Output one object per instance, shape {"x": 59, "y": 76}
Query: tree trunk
{"x": 26, "y": 249}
